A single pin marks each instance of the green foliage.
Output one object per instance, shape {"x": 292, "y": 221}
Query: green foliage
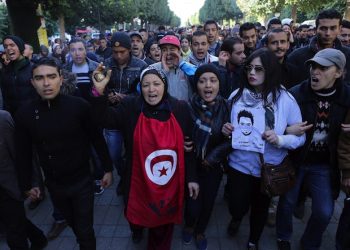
{"x": 219, "y": 10}
{"x": 306, "y": 9}
{"x": 106, "y": 13}
{"x": 4, "y": 24}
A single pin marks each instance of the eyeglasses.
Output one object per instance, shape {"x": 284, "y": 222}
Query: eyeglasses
{"x": 257, "y": 68}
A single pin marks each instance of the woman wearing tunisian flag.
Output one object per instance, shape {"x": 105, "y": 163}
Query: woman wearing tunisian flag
{"x": 154, "y": 126}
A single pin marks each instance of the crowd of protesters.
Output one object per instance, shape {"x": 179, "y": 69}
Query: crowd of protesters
{"x": 173, "y": 111}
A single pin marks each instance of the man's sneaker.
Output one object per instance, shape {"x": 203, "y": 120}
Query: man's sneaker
{"x": 186, "y": 236}
{"x": 56, "y": 229}
{"x": 251, "y": 246}
{"x": 98, "y": 188}
{"x": 201, "y": 242}
{"x": 233, "y": 227}
{"x": 283, "y": 245}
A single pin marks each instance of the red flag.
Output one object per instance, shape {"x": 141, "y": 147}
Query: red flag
{"x": 157, "y": 179}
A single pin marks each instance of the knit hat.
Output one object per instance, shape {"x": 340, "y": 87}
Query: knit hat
{"x": 121, "y": 39}
{"x": 329, "y": 57}
{"x": 18, "y": 41}
{"x": 204, "y": 68}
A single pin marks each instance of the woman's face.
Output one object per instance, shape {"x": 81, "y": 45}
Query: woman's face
{"x": 155, "y": 52}
{"x": 208, "y": 86}
{"x": 185, "y": 45}
{"x": 58, "y": 50}
{"x": 256, "y": 74}
{"x": 286, "y": 28}
{"x": 152, "y": 88}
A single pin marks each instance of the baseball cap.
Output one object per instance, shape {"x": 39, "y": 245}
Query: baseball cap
{"x": 169, "y": 39}
{"x": 136, "y": 34}
{"x": 121, "y": 39}
{"x": 329, "y": 57}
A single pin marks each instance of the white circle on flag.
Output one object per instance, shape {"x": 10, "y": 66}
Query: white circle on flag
{"x": 161, "y": 172}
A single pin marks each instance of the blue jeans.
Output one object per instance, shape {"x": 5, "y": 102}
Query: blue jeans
{"x": 318, "y": 181}
{"x": 114, "y": 140}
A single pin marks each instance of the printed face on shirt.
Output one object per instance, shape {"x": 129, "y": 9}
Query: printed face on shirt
{"x": 11, "y": 50}
{"x": 323, "y": 77}
{"x": 47, "y": 81}
{"x": 246, "y": 125}
{"x": 152, "y": 88}
{"x": 78, "y": 52}
{"x": 327, "y": 32}
{"x": 208, "y": 87}
{"x": 200, "y": 46}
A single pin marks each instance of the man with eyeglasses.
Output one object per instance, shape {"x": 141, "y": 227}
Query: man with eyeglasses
{"x": 324, "y": 102}
{"x": 328, "y": 24}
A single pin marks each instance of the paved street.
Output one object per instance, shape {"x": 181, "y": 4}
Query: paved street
{"x": 113, "y": 232}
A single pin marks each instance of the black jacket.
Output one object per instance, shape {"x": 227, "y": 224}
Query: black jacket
{"x": 124, "y": 117}
{"x": 8, "y": 173}
{"x": 218, "y": 146}
{"x": 300, "y": 56}
{"x": 61, "y": 131}
{"x": 229, "y": 80}
{"x": 306, "y": 99}
{"x": 17, "y": 89}
{"x": 123, "y": 80}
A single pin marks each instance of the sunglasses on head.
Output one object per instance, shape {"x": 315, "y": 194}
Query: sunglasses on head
{"x": 257, "y": 68}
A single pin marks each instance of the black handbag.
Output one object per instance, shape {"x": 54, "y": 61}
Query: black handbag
{"x": 277, "y": 179}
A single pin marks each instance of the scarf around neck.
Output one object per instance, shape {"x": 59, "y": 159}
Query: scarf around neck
{"x": 205, "y": 117}
{"x": 197, "y": 62}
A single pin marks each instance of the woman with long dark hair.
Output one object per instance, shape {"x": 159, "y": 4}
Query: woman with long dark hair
{"x": 261, "y": 111}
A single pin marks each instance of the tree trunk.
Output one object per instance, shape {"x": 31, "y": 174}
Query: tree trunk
{"x": 294, "y": 13}
{"x": 62, "y": 28}
{"x": 347, "y": 10}
{"x": 24, "y": 21}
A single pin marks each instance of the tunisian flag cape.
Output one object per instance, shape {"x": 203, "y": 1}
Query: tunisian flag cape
{"x": 157, "y": 179}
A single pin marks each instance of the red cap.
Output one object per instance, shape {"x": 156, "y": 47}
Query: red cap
{"x": 170, "y": 39}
